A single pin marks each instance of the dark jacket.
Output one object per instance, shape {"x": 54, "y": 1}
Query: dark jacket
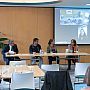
{"x": 7, "y": 48}
{"x": 33, "y": 48}
{"x": 57, "y": 80}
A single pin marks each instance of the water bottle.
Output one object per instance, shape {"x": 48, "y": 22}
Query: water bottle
{"x": 41, "y": 52}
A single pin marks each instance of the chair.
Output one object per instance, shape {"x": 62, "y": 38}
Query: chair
{"x": 79, "y": 86}
{"x": 52, "y": 67}
{"x": 34, "y": 60}
{"x": 80, "y": 70}
{"x": 22, "y": 81}
{"x": 57, "y": 80}
{"x": 14, "y": 63}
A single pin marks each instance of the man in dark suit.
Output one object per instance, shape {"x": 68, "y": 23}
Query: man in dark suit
{"x": 10, "y": 48}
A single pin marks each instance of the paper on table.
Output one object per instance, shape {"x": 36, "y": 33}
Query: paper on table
{"x": 11, "y": 52}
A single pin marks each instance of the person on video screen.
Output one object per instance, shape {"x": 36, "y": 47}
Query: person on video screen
{"x": 82, "y": 33}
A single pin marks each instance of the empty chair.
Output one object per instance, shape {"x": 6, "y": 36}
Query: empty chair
{"x": 22, "y": 81}
{"x": 52, "y": 67}
{"x": 79, "y": 86}
{"x": 80, "y": 69}
{"x": 14, "y": 63}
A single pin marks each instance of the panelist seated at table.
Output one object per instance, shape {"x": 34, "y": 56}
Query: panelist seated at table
{"x": 10, "y": 48}
{"x": 52, "y": 49}
{"x": 73, "y": 47}
{"x": 35, "y": 48}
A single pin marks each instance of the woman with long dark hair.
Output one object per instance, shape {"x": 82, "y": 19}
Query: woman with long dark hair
{"x": 82, "y": 35}
{"x": 73, "y": 47}
{"x": 52, "y": 49}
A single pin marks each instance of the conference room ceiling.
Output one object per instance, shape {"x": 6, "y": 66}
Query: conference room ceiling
{"x": 71, "y": 3}
{"x": 78, "y": 3}
{"x": 61, "y": 3}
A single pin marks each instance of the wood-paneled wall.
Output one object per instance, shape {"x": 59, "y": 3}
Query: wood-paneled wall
{"x": 22, "y": 24}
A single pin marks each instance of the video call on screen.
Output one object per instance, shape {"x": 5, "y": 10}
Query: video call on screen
{"x": 72, "y": 24}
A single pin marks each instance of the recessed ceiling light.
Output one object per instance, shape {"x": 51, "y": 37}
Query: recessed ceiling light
{"x": 29, "y": 1}
{"x": 88, "y": 4}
